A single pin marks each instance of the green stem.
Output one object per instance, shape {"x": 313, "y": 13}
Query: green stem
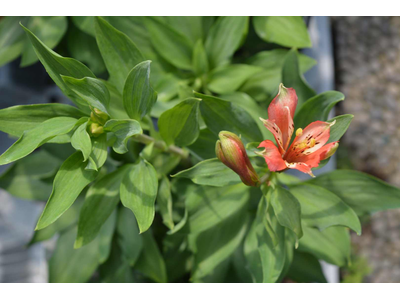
{"x": 145, "y": 139}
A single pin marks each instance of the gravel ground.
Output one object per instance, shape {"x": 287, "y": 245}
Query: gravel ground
{"x": 367, "y": 51}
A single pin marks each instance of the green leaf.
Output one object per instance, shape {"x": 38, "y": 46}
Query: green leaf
{"x": 180, "y": 124}
{"x": 250, "y": 105}
{"x": 101, "y": 200}
{"x": 15, "y": 120}
{"x": 210, "y": 172}
{"x": 139, "y": 97}
{"x": 91, "y": 90}
{"x": 56, "y": 65}
{"x": 69, "y": 182}
{"x": 208, "y": 207}
{"x": 221, "y": 115}
{"x": 331, "y": 245}
{"x": 287, "y": 210}
{"x": 28, "y": 177}
{"x": 164, "y": 163}
{"x": 204, "y": 146}
{"x": 340, "y": 127}
{"x": 67, "y": 220}
{"x": 81, "y": 140}
{"x": 151, "y": 262}
{"x": 99, "y": 153}
{"x": 69, "y": 265}
{"x": 306, "y": 268}
{"x": 228, "y": 79}
{"x": 224, "y": 38}
{"x": 139, "y": 191}
{"x": 213, "y": 246}
{"x": 120, "y": 54}
{"x": 200, "y": 60}
{"x": 164, "y": 200}
{"x": 317, "y": 108}
{"x": 12, "y": 39}
{"x": 105, "y": 237}
{"x": 362, "y": 192}
{"x": 190, "y": 26}
{"x": 265, "y": 258}
{"x": 116, "y": 108}
{"x": 129, "y": 240}
{"x": 83, "y": 47}
{"x": 264, "y": 85}
{"x": 292, "y": 77}
{"x": 173, "y": 46}
{"x": 84, "y": 23}
{"x": 285, "y": 31}
{"x": 122, "y": 130}
{"x": 39, "y": 135}
{"x": 320, "y": 208}
{"x": 49, "y": 30}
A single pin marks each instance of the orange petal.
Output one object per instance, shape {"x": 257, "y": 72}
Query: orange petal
{"x": 272, "y": 156}
{"x": 302, "y": 167}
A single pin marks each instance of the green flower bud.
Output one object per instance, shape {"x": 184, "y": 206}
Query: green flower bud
{"x": 96, "y": 129}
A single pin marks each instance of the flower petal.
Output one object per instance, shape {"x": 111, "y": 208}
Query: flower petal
{"x": 314, "y": 158}
{"x": 281, "y": 112}
{"x": 302, "y": 167}
{"x": 312, "y": 138}
{"x": 275, "y": 130}
{"x": 272, "y": 156}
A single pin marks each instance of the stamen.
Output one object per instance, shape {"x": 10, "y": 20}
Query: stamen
{"x": 312, "y": 143}
{"x": 299, "y": 132}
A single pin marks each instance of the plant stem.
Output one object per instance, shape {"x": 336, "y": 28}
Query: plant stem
{"x": 266, "y": 178}
{"x": 145, "y": 139}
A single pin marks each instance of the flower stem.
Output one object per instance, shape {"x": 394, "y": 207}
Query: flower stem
{"x": 145, "y": 139}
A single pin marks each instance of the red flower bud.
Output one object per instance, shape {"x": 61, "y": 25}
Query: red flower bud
{"x": 231, "y": 152}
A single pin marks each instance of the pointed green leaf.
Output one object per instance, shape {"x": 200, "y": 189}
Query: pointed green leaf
{"x": 221, "y": 115}
{"x": 49, "y": 30}
{"x": 139, "y": 97}
{"x": 224, "y": 38}
{"x": 120, "y": 54}
{"x": 106, "y": 236}
{"x": 331, "y": 245}
{"x": 321, "y": 208}
{"x": 293, "y": 78}
{"x": 173, "y": 46}
{"x": 98, "y": 156}
{"x": 39, "y": 135}
{"x": 122, "y": 130}
{"x": 362, "y": 192}
{"x": 180, "y": 124}
{"x": 306, "y": 268}
{"x": 139, "y": 191}
{"x": 189, "y": 26}
{"x": 72, "y": 265}
{"x": 164, "y": 201}
{"x": 151, "y": 262}
{"x": 101, "y": 200}
{"x": 56, "y": 65}
{"x": 80, "y": 140}
{"x": 210, "y": 172}
{"x": 69, "y": 182}
{"x": 285, "y": 31}
{"x": 84, "y": 23}
{"x": 317, "y": 108}
{"x": 228, "y": 79}
{"x": 129, "y": 239}
{"x": 15, "y": 120}
{"x": 200, "y": 60}
{"x": 287, "y": 210}
{"x": 215, "y": 245}
{"x": 12, "y": 39}
{"x": 91, "y": 90}
{"x": 341, "y": 124}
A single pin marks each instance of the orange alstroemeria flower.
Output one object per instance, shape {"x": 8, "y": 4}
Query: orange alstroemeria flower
{"x": 308, "y": 147}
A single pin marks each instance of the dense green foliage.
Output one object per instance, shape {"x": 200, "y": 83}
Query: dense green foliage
{"x": 132, "y": 184}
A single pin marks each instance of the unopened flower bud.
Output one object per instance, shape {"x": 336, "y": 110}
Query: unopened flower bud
{"x": 96, "y": 129}
{"x": 230, "y": 150}
{"x": 98, "y": 116}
